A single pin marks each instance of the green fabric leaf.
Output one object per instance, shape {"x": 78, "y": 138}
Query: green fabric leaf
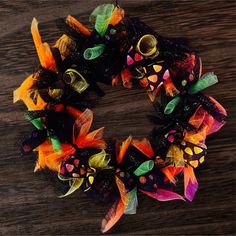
{"x": 55, "y": 143}
{"x": 144, "y": 168}
{"x": 132, "y": 204}
{"x": 92, "y": 53}
{"x": 172, "y": 104}
{"x": 101, "y": 16}
{"x": 205, "y": 81}
{"x": 99, "y": 160}
{"x": 37, "y": 123}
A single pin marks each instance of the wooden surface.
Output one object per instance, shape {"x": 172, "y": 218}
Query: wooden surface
{"x": 28, "y": 201}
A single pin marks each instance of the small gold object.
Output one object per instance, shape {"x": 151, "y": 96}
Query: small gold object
{"x": 75, "y": 80}
{"x": 55, "y": 93}
{"x": 147, "y": 46}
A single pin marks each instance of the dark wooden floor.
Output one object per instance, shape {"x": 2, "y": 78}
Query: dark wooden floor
{"x": 28, "y": 201}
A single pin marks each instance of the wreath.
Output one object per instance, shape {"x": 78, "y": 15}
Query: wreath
{"x": 118, "y": 50}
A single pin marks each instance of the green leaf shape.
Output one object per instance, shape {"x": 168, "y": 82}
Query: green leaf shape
{"x": 92, "y": 53}
{"x": 132, "y": 204}
{"x": 55, "y": 143}
{"x": 204, "y": 82}
{"x": 99, "y": 160}
{"x": 37, "y": 123}
{"x": 101, "y": 16}
{"x": 172, "y": 104}
{"x": 144, "y": 168}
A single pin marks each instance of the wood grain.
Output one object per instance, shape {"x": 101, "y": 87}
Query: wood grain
{"x": 28, "y": 201}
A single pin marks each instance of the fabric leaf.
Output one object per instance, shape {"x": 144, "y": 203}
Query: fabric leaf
{"x": 112, "y": 216}
{"x": 123, "y": 149}
{"x": 144, "y": 146}
{"x": 190, "y": 183}
{"x": 122, "y": 190}
{"x": 94, "y": 52}
{"x": 132, "y": 204}
{"x": 163, "y": 195}
{"x": 37, "y": 123}
{"x": 43, "y": 49}
{"x": 170, "y": 172}
{"x": 55, "y": 143}
{"x": 99, "y": 160}
{"x": 101, "y": 17}
{"x": 144, "y": 168}
{"x": 205, "y": 81}
{"x": 172, "y": 104}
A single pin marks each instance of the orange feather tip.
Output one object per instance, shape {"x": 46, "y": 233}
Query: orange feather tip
{"x": 143, "y": 146}
{"x": 123, "y": 149}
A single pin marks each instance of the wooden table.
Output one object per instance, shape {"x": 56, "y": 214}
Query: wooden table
{"x": 28, "y": 202}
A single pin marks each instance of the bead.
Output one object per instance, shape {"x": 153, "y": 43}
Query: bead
{"x": 142, "y": 180}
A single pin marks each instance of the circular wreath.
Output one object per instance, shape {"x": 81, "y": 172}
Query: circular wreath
{"x": 126, "y": 49}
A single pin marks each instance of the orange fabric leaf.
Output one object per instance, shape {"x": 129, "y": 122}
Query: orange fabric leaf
{"x": 112, "y": 216}
{"x": 143, "y": 146}
{"x": 170, "y": 172}
{"x": 117, "y": 15}
{"x": 122, "y": 190}
{"x": 123, "y": 149}
{"x": 198, "y": 117}
{"x": 126, "y": 78}
{"x": 30, "y": 97}
{"x": 93, "y": 139}
{"x": 75, "y": 24}
{"x": 75, "y": 113}
{"x": 144, "y": 82}
{"x": 115, "y": 80}
{"x": 43, "y": 49}
{"x": 47, "y": 157}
